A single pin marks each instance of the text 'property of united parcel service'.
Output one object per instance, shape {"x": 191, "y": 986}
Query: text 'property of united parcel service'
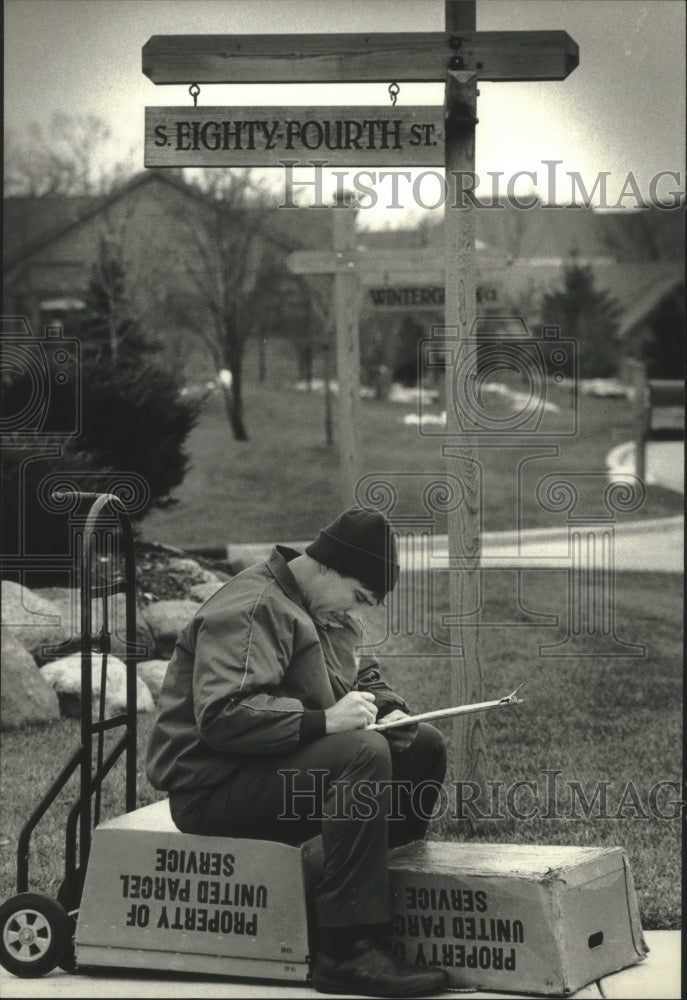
{"x": 180, "y": 903}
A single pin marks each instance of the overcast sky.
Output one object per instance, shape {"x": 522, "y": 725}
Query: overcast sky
{"x": 622, "y": 110}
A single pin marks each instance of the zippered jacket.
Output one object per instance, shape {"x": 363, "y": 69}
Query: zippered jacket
{"x": 252, "y": 674}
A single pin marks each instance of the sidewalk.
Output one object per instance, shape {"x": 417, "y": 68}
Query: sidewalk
{"x": 651, "y": 546}
{"x": 665, "y": 463}
{"x": 656, "y": 978}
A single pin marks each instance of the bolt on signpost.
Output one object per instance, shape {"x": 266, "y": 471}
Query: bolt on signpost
{"x": 459, "y": 56}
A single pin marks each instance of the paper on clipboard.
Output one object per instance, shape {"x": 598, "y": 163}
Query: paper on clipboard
{"x": 444, "y": 713}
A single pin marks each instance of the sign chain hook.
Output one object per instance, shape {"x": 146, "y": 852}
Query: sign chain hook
{"x": 194, "y": 90}
{"x": 394, "y": 91}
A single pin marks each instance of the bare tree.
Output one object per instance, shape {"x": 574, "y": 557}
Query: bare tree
{"x": 71, "y": 165}
{"x": 220, "y": 248}
{"x": 320, "y": 299}
{"x": 68, "y": 157}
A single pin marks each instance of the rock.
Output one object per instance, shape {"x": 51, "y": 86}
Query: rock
{"x": 68, "y": 601}
{"x": 64, "y": 676}
{"x": 25, "y": 696}
{"x": 239, "y": 564}
{"x": 203, "y": 591}
{"x": 146, "y": 547}
{"x": 34, "y": 621}
{"x": 191, "y": 569}
{"x": 152, "y": 673}
{"x": 221, "y": 571}
{"x": 165, "y": 620}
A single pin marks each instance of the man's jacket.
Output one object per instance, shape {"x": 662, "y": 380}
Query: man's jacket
{"x": 252, "y": 674}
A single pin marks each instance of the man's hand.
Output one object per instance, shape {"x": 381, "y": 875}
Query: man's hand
{"x": 356, "y": 710}
{"x": 401, "y": 737}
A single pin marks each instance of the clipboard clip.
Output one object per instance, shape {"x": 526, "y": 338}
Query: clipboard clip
{"x": 512, "y": 698}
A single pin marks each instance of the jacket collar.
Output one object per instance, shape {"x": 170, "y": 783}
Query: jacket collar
{"x": 278, "y": 565}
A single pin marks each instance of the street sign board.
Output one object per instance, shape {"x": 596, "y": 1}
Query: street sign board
{"x": 396, "y": 293}
{"x": 406, "y": 298}
{"x": 410, "y": 136}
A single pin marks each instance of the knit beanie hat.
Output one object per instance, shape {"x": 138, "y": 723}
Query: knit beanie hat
{"x": 361, "y": 544}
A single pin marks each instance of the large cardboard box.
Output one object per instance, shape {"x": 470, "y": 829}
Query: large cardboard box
{"x": 531, "y": 919}
{"x": 155, "y": 898}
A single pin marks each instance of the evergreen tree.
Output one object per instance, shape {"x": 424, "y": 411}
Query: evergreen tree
{"x": 663, "y": 350}
{"x": 589, "y": 316}
{"x": 132, "y": 418}
{"x": 107, "y": 326}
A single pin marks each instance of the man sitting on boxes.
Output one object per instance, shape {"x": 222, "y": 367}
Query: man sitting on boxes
{"x": 262, "y": 695}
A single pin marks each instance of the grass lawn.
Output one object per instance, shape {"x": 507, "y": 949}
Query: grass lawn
{"x": 283, "y": 484}
{"x": 594, "y": 720}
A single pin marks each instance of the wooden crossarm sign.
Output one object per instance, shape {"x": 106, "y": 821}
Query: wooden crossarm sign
{"x": 355, "y": 58}
{"x": 424, "y": 265}
{"x": 459, "y": 57}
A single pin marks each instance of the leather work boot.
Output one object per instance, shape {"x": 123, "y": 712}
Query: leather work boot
{"x": 372, "y": 971}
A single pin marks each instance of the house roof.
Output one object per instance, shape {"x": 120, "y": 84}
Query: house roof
{"x": 637, "y": 258}
{"x": 637, "y": 288}
{"x": 506, "y": 232}
{"x": 645, "y": 292}
{"x": 35, "y": 223}
{"x": 31, "y": 224}
{"x": 522, "y": 247}
{"x": 557, "y": 233}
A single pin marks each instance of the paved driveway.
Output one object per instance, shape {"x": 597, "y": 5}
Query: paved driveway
{"x": 658, "y": 976}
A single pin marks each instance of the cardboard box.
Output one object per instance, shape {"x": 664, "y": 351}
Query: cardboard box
{"x": 530, "y": 919}
{"x": 525, "y": 919}
{"x": 155, "y": 898}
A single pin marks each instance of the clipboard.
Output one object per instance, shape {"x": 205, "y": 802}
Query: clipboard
{"x": 445, "y": 713}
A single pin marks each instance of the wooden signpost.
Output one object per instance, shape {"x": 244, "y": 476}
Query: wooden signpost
{"x": 395, "y": 280}
{"x": 459, "y": 57}
{"x": 355, "y": 58}
{"x": 352, "y": 269}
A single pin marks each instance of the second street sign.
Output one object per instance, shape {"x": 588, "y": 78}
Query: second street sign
{"x": 255, "y": 136}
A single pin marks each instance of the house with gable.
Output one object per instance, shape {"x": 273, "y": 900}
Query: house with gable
{"x": 52, "y": 244}
{"x": 637, "y": 258}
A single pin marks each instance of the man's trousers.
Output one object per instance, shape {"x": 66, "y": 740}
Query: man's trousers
{"x": 350, "y": 788}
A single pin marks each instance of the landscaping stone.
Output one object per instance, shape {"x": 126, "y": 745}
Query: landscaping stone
{"x": 152, "y": 673}
{"x": 68, "y": 601}
{"x": 32, "y": 620}
{"x": 25, "y": 696}
{"x": 64, "y": 676}
{"x": 165, "y": 620}
{"x": 203, "y": 591}
{"x": 192, "y": 570}
{"x": 222, "y": 569}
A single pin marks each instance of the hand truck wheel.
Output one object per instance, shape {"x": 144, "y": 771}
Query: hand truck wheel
{"x": 35, "y": 931}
